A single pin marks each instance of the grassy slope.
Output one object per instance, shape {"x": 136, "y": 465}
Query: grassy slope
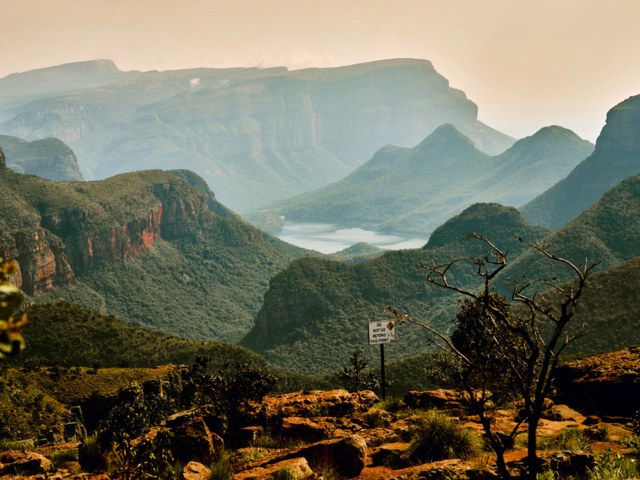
{"x": 48, "y": 158}
{"x": 317, "y": 310}
{"x": 418, "y": 189}
{"x": 616, "y": 157}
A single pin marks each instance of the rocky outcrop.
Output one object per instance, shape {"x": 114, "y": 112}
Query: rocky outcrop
{"x": 3, "y": 162}
{"x": 42, "y": 260}
{"x": 608, "y": 384}
{"x": 18, "y": 463}
{"x": 57, "y": 244}
{"x": 301, "y": 404}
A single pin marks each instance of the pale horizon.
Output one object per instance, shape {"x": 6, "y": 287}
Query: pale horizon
{"x": 526, "y": 66}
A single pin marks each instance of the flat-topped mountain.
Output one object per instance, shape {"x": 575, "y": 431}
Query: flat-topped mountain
{"x": 255, "y": 135}
{"x": 315, "y": 312}
{"x": 616, "y": 157}
{"x": 48, "y": 158}
{"x": 417, "y": 189}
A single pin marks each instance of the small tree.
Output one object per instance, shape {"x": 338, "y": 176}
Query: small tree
{"x": 354, "y": 378}
{"x": 229, "y": 398}
{"x": 495, "y": 351}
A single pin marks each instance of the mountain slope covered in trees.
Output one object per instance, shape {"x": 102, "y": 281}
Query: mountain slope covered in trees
{"x": 316, "y": 311}
{"x": 48, "y": 158}
{"x": 616, "y": 157}
{"x": 417, "y": 189}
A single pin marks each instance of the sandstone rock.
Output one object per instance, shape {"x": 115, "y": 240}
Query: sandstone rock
{"x": 193, "y": 440}
{"x": 389, "y": 454}
{"x": 348, "y": 455}
{"x": 195, "y": 471}
{"x": 440, "y": 399}
{"x": 14, "y": 462}
{"x": 306, "y": 429}
{"x": 305, "y": 404}
{"x": 604, "y": 384}
{"x": 298, "y": 468}
{"x": 591, "y": 420}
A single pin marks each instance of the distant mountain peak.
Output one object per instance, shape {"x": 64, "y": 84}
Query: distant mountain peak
{"x": 448, "y": 135}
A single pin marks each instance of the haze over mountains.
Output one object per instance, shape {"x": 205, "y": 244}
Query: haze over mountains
{"x": 616, "y": 157}
{"x": 255, "y": 136}
{"x": 48, "y": 158}
{"x": 417, "y": 189}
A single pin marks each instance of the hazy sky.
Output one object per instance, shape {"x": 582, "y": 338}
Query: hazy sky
{"x": 526, "y": 64}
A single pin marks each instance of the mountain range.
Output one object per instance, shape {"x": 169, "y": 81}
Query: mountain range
{"x": 616, "y": 157}
{"x": 255, "y": 135}
{"x": 417, "y": 189}
{"x": 317, "y": 309}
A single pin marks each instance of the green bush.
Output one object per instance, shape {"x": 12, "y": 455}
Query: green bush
{"x": 91, "y": 455}
{"x": 222, "y": 468}
{"x": 61, "y": 457}
{"x": 435, "y": 437}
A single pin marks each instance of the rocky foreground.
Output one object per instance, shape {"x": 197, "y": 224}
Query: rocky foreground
{"x": 337, "y": 434}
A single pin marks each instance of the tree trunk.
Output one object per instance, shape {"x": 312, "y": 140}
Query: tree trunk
{"x": 532, "y": 457}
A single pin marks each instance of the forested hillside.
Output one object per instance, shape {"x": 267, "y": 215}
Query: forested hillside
{"x": 418, "y": 189}
{"x": 48, "y": 158}
{"x": 616, "y": 157}
{"x": 316, "y": 310}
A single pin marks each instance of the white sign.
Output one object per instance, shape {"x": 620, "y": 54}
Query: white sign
{"x": 382, "y": 332}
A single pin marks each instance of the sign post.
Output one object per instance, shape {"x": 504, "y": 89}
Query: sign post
{"x": 379, "y": 334}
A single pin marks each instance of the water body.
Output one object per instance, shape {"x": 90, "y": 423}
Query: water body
{"x": 333, "y": 237}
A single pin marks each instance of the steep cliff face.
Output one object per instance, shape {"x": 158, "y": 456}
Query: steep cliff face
{"x": 56, "y": 243}
{"x": 616, "y": 157}
{"x": 254, "y": 135}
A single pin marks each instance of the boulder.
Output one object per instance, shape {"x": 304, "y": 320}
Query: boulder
{"x": 346, "y": 455}
{"x": 334, "y": 403}
{"x": 308, "y": 430}
{"x": 195, "y": 471}
{"x": 14, "y": 462}
{"x": 193, "y": 440}
{"x": 441, "y": 399}
{"x": 607, "y": 384}
{"x": 389, "y": 454}
{"x": 298, "y": 468}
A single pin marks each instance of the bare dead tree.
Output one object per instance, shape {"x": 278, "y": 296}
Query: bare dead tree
{"x": 528, "y": 344}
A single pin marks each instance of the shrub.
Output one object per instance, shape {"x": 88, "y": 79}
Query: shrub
{"x": 435, "y": 437}
{"x": 612, "y": 467}
{"x": 61, "y": 457}
{"x": 391, "y": 404}
{"x": 229, "y": 398}
{"x": 222, "y": 468}
{"x": 91, "y": 455}
{"x": 572, "y": 438}
{"x": 354, "y": 379}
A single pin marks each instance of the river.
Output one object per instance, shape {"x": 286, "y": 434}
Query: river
{"x": 333, "y": 237}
